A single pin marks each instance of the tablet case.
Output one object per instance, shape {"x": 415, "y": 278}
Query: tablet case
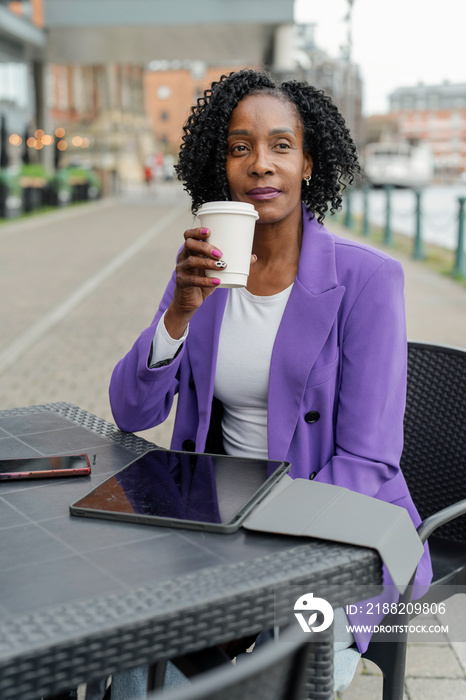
{"x": 313, "y": 509}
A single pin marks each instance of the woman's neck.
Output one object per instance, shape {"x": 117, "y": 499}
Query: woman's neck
{"x": 278, "y": 252}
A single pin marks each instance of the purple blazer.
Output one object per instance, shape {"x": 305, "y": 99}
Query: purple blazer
{"x": 337, "y": 377}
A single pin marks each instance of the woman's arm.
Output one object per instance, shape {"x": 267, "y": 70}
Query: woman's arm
{"x": 141, "y": 396}
{"x": 372, "y": 395}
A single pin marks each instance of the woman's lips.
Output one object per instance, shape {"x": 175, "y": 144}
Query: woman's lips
{"x": 262, "y": 193}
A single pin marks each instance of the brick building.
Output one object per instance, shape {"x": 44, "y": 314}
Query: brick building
{"x": 169, "y": 94}
{"x": 434, "y": 114}
{"x": 100, "y": 112}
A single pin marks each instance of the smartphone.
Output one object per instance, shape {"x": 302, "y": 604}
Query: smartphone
{"x": 43, "y": 467}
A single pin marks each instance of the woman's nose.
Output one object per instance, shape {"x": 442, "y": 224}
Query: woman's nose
{"x": 261, "y": 162}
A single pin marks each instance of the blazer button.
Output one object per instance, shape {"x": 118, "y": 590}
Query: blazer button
{"x": 312, "y": 416}
{"x": 189, "y": 445}
{"x": 313, "y": 475}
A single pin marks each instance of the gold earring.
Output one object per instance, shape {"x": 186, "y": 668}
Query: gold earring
{"x": 307, "y": 180}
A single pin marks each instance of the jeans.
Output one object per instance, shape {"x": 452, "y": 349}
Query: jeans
{"x": 132, "y": 684}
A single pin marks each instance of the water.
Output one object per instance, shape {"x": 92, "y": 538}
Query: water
{"x": 439, "y": 212}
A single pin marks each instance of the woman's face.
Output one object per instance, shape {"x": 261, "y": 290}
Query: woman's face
{"x": 265, "y": 162}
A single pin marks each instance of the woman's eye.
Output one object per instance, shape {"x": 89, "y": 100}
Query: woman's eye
{"x": 239, "y": 148}
{"x": 283, "y": 146}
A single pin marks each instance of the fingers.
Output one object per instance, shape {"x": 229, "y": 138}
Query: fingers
{"x": 195, "y": 259}
{"x": 197, "y": 234}
{"x": 197, "y": 256}
{"x": 196, "y": 244}
{"x": 200, "y": 233}
{"x": 191, "y": 272}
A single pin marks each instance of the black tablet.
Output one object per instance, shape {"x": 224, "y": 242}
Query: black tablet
{"x": 183, "y": 489}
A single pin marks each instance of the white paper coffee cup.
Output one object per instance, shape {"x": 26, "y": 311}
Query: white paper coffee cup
{"x": 231, "y": 227}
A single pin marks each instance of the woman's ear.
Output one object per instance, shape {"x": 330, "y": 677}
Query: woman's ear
{"x": 308, "y": 165}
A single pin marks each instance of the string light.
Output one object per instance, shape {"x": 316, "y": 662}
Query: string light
{"x": 15, "y": 140}
{"x": 41, "y": 139}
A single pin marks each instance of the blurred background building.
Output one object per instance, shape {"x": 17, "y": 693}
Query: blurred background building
{"x": 434, "y": 115}
{"x": 170, "y": 88}
{"x": 117, "y": 79}
{"x": 298, "y": 56}
{"x": 22, "y": 45}
{"x": 108, "y": 84}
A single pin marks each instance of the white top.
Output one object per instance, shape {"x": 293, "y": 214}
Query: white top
{"x": 250, "y": 324}
{"x": 247, "y": 335}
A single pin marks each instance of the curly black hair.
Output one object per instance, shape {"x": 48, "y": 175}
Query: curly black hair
{"x": 202, "y": 158}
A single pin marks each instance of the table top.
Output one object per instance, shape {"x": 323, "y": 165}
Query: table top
{"x": 81, "y": 598}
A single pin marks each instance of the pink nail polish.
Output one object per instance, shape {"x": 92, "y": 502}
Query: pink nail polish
{"x": 216, "y": 253}
{"x": 204, "y": 231}
{"x": 215, "y": 281}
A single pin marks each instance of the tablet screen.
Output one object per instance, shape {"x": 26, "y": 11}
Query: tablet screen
{"x": 183, "y": 489}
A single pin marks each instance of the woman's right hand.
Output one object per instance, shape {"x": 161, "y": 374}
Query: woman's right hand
{"x": 192, "y": 285}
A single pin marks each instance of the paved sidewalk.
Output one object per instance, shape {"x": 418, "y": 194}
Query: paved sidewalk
{"x": 435, "y": 303}
{"x": 76, "y": 288}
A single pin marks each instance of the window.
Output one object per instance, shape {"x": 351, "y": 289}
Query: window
{"x": 62, "y": 87}
{"x": 14, "y": 84}
{"x": 164, "y": 92}
{"x": 455, "y": 120}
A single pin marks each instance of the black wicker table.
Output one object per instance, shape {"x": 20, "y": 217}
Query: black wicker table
{"x": 81, "y": 598}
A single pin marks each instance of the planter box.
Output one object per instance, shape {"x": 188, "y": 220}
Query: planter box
{"x": 33, "y": 198}
{"x": 10, "y": 204}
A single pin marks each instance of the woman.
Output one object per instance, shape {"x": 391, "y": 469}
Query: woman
{"x": 308, "y": 363}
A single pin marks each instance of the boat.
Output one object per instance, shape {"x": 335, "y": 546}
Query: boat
{"x": 398, "y": 164}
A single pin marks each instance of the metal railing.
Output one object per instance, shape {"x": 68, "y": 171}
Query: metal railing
{"x": 415, "y": 214}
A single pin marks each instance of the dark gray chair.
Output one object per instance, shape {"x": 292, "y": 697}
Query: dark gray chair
{"x": 434, "y": 465}
{"x": 276, "y": 671}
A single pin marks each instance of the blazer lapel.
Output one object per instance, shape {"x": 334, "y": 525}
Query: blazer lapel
{"x": 307, "y": 321}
